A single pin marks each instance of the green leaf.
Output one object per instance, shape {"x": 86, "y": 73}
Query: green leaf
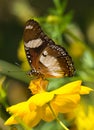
{"x": 13, "y": 71}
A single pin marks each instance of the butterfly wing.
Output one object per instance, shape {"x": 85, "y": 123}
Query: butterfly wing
{"x": 45, "y": 57}
{"x": 33, "y": 42}
{"x": 56, "y": 62}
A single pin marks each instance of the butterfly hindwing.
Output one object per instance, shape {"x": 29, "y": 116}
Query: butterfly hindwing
{"x": 56, "y": 61}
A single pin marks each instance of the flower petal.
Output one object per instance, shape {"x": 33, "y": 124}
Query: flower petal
{"x": 85, "y": 90}
{"x": 65, "y": 103}
{"x": 41, "y": 99}
{"x": 21, "y": 111}
{"x": 73, "y": 87}
{"x": 32, "y": 118}
{"x": 11, "y": 120}
{"x": 47, "y": 114}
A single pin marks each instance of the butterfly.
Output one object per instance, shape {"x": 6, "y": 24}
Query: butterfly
{"x": 45, "y": 57}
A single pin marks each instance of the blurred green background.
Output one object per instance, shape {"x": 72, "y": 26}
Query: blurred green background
{"x": 14, "y": 13}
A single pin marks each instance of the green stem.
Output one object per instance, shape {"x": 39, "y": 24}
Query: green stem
{"x": 58, "y": 120}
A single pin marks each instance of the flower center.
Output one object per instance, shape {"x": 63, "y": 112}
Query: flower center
{"x": 38, "y": 85}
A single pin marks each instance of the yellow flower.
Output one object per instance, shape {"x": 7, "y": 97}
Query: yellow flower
{"x": 85, "y": 118}
{"x": 38, "y": 85}
{"x": 46, "y": 105}
{"x": 52, "y": 19}
{"x": 77, "y": 49}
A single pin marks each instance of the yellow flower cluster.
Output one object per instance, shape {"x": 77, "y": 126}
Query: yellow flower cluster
{"x": 85, "y": 117}
{"x": 43, "y": 104}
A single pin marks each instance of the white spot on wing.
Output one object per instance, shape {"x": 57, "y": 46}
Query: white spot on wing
{"x": 28, "y": 27}
{"x": 26, "y": 48}
{"x": 28, "y": 56}
{"x": 34, "y": 43}
{"x": 45, "y": 53}
{"x": 51, "y": 63}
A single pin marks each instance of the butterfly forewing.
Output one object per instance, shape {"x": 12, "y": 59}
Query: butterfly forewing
{"x": 44, "y": 56}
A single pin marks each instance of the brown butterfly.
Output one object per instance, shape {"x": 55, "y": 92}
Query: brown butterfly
{"x": 44, "y": 56}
